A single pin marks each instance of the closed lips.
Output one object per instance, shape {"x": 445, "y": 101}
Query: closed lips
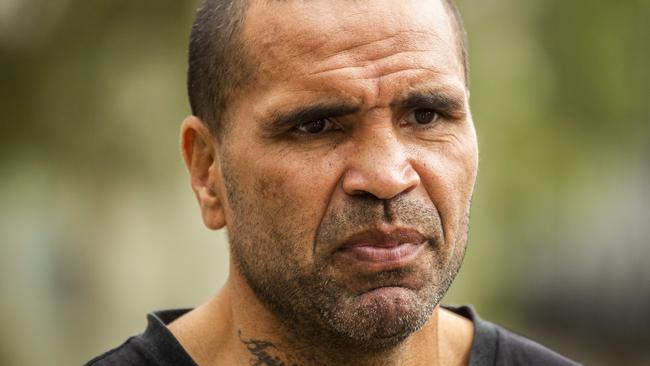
{"x": 384, "y": 246}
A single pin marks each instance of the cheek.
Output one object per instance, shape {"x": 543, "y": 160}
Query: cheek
{"x": 448, "y": 175}
{"x": 290, "y": 186}
{"x": 291, "y": 200}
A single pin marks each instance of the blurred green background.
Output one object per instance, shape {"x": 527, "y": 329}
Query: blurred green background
{"x": 98, "y": 224}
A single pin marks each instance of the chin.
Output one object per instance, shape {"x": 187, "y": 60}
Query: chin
{"x": 380, "y": 318}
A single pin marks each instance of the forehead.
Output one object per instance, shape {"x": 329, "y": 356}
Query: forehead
{"x": 351, "y": 46}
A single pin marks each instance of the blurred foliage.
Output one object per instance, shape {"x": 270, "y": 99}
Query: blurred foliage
{"x": 98, "y": 224}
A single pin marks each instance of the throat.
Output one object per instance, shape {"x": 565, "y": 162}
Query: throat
{"x": 264, "y": 352}
{"x": 420, "y": 348}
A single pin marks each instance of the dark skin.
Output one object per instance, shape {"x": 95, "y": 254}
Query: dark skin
{"x": 261, "y": 353}
{"x": 358, "y": 120}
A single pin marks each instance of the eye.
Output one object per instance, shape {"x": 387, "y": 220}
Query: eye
{"x": 315, "y": 127}
{"x": 423, "y": 116}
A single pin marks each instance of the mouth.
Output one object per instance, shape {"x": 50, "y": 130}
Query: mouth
{"x": 383, "y": 248}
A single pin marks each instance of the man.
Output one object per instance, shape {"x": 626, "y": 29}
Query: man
{"x": 334, "y": 140}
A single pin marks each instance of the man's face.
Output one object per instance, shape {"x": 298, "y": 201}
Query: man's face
{"x": 349, "y": 166}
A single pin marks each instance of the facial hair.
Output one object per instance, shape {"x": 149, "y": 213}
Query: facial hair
{"x": 312, "y": 300}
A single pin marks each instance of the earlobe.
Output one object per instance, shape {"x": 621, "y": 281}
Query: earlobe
{"x": 199, "y": 150}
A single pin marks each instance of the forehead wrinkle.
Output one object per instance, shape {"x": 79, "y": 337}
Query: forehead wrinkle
{"x": 390, "y": 64}
{"x": 366, "y": 92}
{"x": 310, "y": 37}
{"x": 377, "y": 57}
{"x": 400, "y": 37}
{"x": 396, "y": 55}
{"x": 301, "y": 51}
{"x": 384, "y": 86}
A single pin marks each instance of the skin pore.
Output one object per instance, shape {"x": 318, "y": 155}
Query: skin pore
{"x": 356, "y": 130}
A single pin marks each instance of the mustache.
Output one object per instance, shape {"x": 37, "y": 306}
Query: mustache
{"x": 363, "y": 213}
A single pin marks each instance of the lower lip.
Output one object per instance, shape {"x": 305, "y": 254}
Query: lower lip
{"x": 394, "y": 255}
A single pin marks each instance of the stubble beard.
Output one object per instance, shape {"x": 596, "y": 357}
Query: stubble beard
{"x": 317, "y": 309}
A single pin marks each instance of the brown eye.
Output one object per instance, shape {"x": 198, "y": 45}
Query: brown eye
{"x": 314, "y": 127}
{"x": 425, "y": 116}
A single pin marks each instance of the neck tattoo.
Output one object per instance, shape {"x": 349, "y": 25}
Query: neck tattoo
{"x": 262, "y": 353}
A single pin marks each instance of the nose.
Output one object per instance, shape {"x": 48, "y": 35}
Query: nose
{"x": 380, "y": 167}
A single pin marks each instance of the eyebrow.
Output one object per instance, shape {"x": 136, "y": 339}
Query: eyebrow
{"x": 442, "y": 101}
{"x": 281, "y": 121}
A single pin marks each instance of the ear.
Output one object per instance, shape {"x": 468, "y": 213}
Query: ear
{"x": 199, "y": 149}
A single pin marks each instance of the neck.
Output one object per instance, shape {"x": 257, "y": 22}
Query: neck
{"x": 265, "y": 338}
{"x": 235, "y": 328}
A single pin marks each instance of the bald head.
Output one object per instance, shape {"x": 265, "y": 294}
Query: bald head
{"x": 222, "y": 65}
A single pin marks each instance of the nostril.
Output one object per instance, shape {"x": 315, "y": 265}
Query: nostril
{"x": 365, "y": 195}
{"x": 409, "y": 189}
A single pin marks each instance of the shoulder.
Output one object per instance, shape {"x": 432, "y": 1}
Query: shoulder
{"x": 156, "y": 346}
{"x": 130, "y": 353}
{"x": 495, "y": 345}
{"x": 515, "y": 349}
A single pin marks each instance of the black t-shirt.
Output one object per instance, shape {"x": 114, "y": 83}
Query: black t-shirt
{"x": 492, "y": 346}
